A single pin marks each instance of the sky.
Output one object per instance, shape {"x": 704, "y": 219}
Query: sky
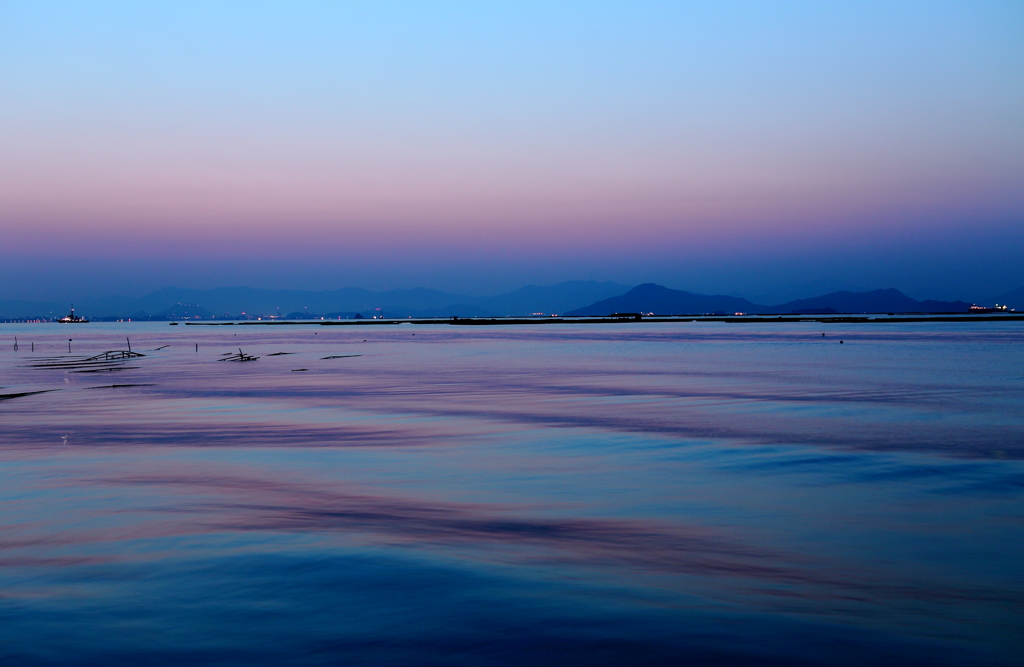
{"x": 769, "y": 150}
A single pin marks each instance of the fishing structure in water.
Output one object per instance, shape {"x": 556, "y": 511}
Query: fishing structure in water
{"x": 241, "y": 356}
{"x": 111, "y": 360}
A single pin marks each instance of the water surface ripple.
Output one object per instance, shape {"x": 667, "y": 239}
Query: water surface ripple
{"x": 677, "y": 493}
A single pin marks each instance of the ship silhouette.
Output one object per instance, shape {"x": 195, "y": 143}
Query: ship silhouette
{"x": 71, "y": 318}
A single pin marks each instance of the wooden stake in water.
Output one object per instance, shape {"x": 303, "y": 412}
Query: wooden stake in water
{"x": 15, "y": 343}
{"x": 129, "y": 343}
{"x": 69, "y": 346}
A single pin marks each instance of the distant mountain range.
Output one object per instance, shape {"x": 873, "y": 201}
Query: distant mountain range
{"x": 651, "y": 298}
{"x": 1013, "y": 299}
{"x": 179, "y": 303}
{"x": 568, "y": 298}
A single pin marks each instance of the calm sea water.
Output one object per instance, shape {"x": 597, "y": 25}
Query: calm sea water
{"x": 683, "y": 493}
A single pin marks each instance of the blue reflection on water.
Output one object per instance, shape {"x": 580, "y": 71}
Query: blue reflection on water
{"x": 557, "y": 495}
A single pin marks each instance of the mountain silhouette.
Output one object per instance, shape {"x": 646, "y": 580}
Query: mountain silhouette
{"x": 652, "y": 298}
{"x": 1013, "y": 299}
{"x": 876, "y": 301}
{"x": 567, "y": 298}
{"x": 392, "y": 303}
{"x": 233, "y": 301}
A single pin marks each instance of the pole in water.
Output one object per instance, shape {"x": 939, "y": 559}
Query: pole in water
{"x": 33, "y": 346}
{"x": 129, "y": 343}
{"x": 69, "y": 345}
{"x": 197, "y": 347}
{"x": 15, "y": 343}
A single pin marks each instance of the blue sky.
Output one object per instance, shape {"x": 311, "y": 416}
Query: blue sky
{"x": 728, "y": 147}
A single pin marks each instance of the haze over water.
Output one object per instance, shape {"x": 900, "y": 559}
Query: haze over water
{"x": 552, "y": 494}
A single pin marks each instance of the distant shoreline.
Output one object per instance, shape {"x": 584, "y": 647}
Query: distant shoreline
{"x": 739, "y": 319}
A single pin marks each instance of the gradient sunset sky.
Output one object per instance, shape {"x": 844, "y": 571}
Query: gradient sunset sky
{"x": 760, "y": 149}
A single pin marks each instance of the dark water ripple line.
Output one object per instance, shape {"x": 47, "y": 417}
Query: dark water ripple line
{"x": 49, "y": 562}
{"x": 171, "y": 434}
{"x": 946, "y": 440}
{"x": 934, "y": 397}
{"x": 650, "y": 546}
{"x": 943, "y": 440}
{"x": 911, "y": 396}
{"x": 975, "y": 478}
{"x": 966, "y": 442}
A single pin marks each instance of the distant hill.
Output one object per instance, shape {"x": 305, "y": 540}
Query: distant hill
{"x": 651, "y": 298}
{"x": 18, "y": 309}
{"x": 391, "y": 303}
{"x": 167, "y": 303}
{"x": 875, "y": 301}
{"x": 567, "y": 298}
{"x": 555, "y": 299}
{"x": 252, "y": 301}
{"x": 1013, "y": 299}
{"x": 660, "y": 300}
{"x": 184, "y": 311}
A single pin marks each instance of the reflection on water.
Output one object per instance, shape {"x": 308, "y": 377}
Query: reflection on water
{"x": 603, "y": 494}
